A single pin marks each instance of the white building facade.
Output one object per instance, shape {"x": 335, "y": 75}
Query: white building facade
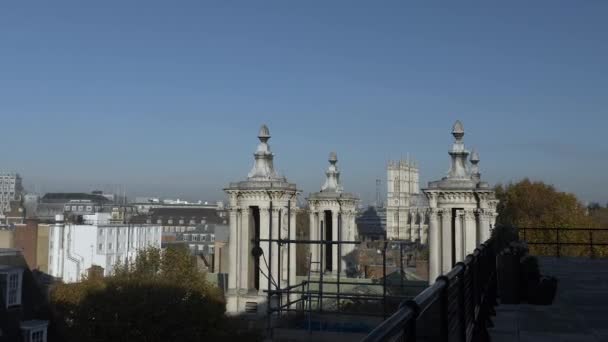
{"x": 261, "y": 208}
{"x": 462, "y": 209}
{"x": 11, "y": 189}
{"x": 74, "y": 248}
{"x": 406, "y": 207}
{"x": 332, "y": 219}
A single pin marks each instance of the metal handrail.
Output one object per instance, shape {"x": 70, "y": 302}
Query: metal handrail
{"x": 587, "y": 234}
{"x": 470, "y": 283}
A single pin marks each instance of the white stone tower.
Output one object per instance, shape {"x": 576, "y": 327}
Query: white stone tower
{"x": 261, "y": 207}
{"x": 332, "y": 218}
{"x": 462, "y": 209}
{"x": 406, "y": 208}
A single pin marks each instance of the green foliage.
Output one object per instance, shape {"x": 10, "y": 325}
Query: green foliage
{"x": 158, "y": 297}
{"x": 528, "y": 204}
{"x": 536, "y": 204}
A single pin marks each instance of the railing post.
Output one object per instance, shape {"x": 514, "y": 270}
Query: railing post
{"x": 591, "y": 253}
{"x": 409, "y": 333}
{"x": 557, "y": 241}
{"x": 461, "y": 308}
{"x": 443, "y": 311}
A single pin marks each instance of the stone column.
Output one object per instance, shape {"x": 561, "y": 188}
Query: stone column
{"x": 293, "y": 248}
{"x": 264, "y": 225}
{"x": 471, "y": 240}
{"x": 483, "y": 228}
{"x": 233, "y": 241}
{"x": 276, "y": 274}
{"x": 245, "y": 259}
{"x": 313, "y": 234}
{"x": 446, "y": 240}
{"x": 459, "y": 236}
{"x": 434, "y": 246}
{"x": 336, "y": 258}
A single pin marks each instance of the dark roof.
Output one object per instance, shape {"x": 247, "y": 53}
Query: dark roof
{"x": 370, "y": 223}
{"x": 68, "y": 196}
{"x": 210, "y": 215}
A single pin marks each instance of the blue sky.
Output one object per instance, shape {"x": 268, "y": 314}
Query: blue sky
{"x": 167, "y": 96}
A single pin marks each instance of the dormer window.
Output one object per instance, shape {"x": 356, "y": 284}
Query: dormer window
{"x": 34, "y": 331}
{"x": 10, "y": 283}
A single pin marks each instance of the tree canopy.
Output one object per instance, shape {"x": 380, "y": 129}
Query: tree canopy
{"x": 530, "y": 204}
{"x": 160, "y": 296}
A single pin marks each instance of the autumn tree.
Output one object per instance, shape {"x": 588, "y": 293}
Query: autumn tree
{"x": 160, "y": 296}
{"x": 533, "y": 204}
{"x": 536, "y": 204}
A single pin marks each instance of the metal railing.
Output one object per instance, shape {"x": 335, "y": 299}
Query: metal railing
{"x": 457, "y": 307}
{"x": 558, "y": 242}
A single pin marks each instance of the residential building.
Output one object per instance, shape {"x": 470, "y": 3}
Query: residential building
{"x": 11, "y": 189}
{"x": 74, "y": 247}
{"x": 24, "y": 311}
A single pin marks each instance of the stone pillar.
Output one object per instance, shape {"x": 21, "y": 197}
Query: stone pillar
{"x": 293, "y": 236}
{"x": 264, "y": 225}
{"x": 470, "y": 232}
{"x": 276, "y": 274}
{"x": 313, "y": 234}
{"x": 336, "y": 258}
{"x": 446, "y": 240}
{"x": 459, "y": 236}
{"x": 245, "y": 260}
{"x": 434, "y": 246}
{"x": 483, "y": 228}
{"x": 233, "y": 248}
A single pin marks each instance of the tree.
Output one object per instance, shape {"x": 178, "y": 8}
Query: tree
{"x": 158, "y": 297}
{"x": 528, "y": 204}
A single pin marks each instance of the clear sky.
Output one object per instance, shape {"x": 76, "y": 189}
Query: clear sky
{"x": 167, "y": 96}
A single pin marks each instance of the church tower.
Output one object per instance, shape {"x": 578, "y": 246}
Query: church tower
{"x": 462, "y": 209}
{"x": 332, "y": 218}
{"x": 262, "y": 207}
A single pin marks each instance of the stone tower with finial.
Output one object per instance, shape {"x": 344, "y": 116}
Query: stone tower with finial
{"x": 262, "y": 207}
{"x": 462, "y": 209}
{"x": 332, "y": 218}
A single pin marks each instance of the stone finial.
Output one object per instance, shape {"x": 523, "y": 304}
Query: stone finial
{"x": 263, "y": 168}
{"x": 333, "y": 158}
{"x": 332, "y": 182}
{"x": 264, "y": 133}
{"x": 458, "y": 130}
{"x": 474, "y": 157}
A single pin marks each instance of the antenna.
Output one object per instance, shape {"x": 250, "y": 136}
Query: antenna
{"x": 378, "y": 184}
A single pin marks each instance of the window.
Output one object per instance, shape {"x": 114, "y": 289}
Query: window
{"x": 159, "y": 221}
{"x": 181, "y": 221}
{"x": 89, "y": 208}
{"x": 13, "y": 288}
{"x": 396, "y": 185}
{"x": 74, "y": 208}
{"x": 110, "y": 246}
{"x": 211, "y": 249}
{"x": 11, "y": 283}
{"x": 67, "y": 208}
{"x": 80, "y": 207}
{"x": 212, "y": 238}
{"x": 100, "y": 247}
{"x": 170, "y": 221}
{"x": 37, "y": 336}
{"x": 204, "y": 238}
{"x": 192, "y": 222}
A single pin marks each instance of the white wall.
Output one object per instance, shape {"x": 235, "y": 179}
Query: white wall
{"x": 73, "y": 249}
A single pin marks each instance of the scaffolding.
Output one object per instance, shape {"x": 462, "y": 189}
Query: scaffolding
{"x": 308, "y": 296}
